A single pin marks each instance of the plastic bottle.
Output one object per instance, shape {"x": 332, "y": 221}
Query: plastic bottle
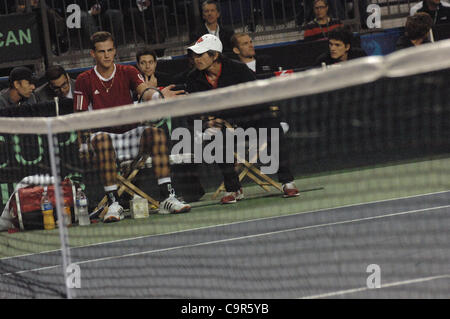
{"x": 47, "y": 211}
{"x": 68, "y": 217}
{"x": 82, "y": 206}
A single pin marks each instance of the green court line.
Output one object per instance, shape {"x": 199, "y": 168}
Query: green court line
{"x": 317, "y": 192}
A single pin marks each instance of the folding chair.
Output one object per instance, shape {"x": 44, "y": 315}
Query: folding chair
{"x": 128, "y": 171}
{"x": 250, "y": 170}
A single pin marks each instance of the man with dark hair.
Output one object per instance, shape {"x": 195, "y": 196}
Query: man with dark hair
{"x": 109, "y": 85}
{"x": 213, "y": 70}
{"x": 439, "y": 10}
{"x": 340, "y": 48}
{"x": 417, "y": 31}
{"x": 243, "y": 48}
{"x": 21, "y": 87}
{"x": 146, "y": 62}
{"x": 211, "y": 15}
{"x": 59, "y": 84}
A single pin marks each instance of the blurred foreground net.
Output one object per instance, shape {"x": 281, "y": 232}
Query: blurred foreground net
{"x": 367, "y": 143}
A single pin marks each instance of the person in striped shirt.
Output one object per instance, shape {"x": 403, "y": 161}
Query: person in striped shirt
{"x": 318, "y": 28}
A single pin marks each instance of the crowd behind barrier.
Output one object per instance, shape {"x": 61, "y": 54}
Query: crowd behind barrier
{"x": 162, "y": 24}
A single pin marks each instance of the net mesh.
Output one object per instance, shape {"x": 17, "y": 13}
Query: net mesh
{"x": 366, "y": 143}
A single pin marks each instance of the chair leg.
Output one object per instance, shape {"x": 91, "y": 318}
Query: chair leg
{"x": 123, "y": 187}
{"x": 264, "y": 176}
{"x": 259, "y": 182}
{"x": 259, "y": 173}
{"x": 135, "y": 189}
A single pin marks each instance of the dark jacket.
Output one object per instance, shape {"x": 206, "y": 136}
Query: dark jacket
{"x": 225, "y": 35}
{"x": 353, "y": 53}
{"x": 45, "y": 93}
{"x": 440, "y": 16}
{"x": 5, "y": 100}
{"x": 404, "y": 42}
{"x": 314, "y": 31}
{"x": 233, "y": 72}
{"x": 264, "y": 65}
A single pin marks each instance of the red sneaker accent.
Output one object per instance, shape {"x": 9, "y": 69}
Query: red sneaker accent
{"x": 232, "y": 197}
{"x": 290, "y": 190}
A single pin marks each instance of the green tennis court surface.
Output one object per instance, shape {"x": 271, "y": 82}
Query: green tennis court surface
{"x": 317, "y": 192}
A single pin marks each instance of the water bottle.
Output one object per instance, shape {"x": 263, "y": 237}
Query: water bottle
{"x": 47, "y": 211}
{"x": 82, "y": 207}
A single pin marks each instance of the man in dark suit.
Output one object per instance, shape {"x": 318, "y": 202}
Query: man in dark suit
{"x": 59, "y": 84}
{"x": 211, "y": 14}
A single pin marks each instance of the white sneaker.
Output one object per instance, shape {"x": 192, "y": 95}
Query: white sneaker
{"x": 114, "y": 214}
{"x": 171, "y": 205}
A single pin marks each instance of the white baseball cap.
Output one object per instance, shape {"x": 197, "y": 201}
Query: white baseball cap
{"x": 205, "y": 43}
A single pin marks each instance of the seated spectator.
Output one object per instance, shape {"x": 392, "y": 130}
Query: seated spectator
{"x": 245, "y": 51}
{"x": 336, "y": 9}
{"x": 211, "y": 14}
{"x": 439, "y": 10}
{"x": 109, "y": 85}
{"x": 220, "y": 71}
{"x": 21, "y": 87}
{"x": 319, "y": 27}
{"x": 417, "y": 31}
{"x": 106, "y": 15}
{"x": 149, "y": 20}
{"x": 88, "y": 23}
{"x": 59, "y": 84}
{"x": 146, "y": 62}
{"x": 340, "y": 48}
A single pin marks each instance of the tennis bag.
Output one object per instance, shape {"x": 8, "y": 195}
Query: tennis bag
{"x": 26, "y": 204}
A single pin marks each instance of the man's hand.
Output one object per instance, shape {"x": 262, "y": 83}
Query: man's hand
{"x": 168, "y": 93}
{"x": 151, "y": 81}
{"x": 143, "y": 4}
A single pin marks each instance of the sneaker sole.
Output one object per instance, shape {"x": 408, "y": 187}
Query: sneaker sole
{"x": 229, "y": 202}
{"x": 185, "y": 209}
{"x": 288, "y": 196}
{"x": 111, "y": 220}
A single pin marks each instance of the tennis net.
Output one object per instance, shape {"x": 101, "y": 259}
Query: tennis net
{"x": 367, "y": 144}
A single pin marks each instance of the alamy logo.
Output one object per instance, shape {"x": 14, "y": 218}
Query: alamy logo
{"x": 73, "y": 20}
{"x": 374, "y": 19}
{"x": 73, "y": 279}
{"x": 374, "y": 280}
{"x": 232, "y": 141}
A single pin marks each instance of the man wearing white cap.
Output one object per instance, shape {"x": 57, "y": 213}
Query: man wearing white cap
{"x": 213, "y": 70}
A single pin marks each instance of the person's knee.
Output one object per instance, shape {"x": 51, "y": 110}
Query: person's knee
{"x": 101, "y": 141}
